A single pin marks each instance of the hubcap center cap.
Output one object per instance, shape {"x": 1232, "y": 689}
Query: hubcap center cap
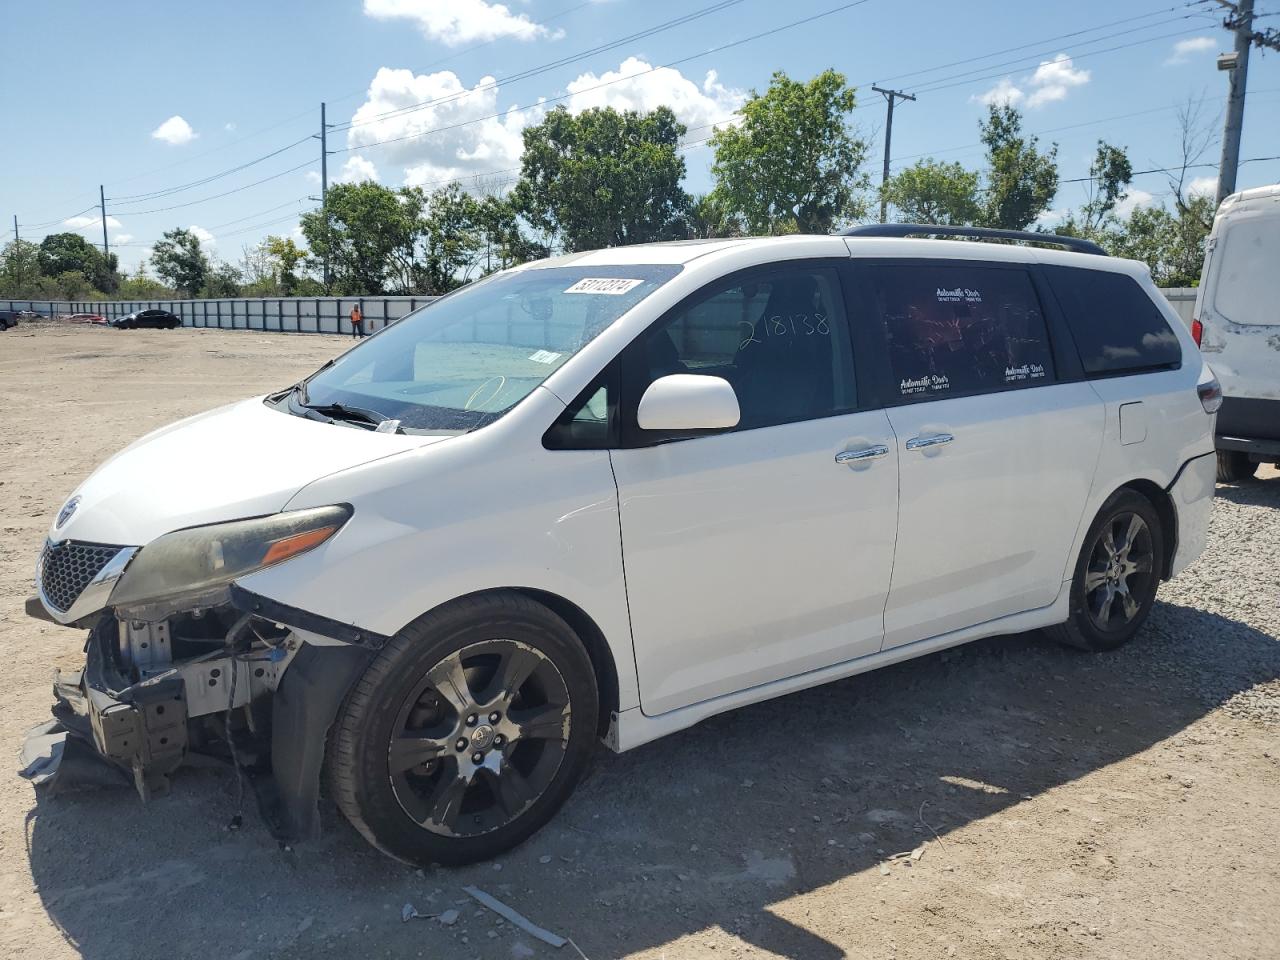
{"x": 482, "y": 737}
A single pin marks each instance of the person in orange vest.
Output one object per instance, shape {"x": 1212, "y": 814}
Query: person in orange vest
{"x": 357, "y": 321}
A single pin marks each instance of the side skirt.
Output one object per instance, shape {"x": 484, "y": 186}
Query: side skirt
{"x": 632, "y": 728}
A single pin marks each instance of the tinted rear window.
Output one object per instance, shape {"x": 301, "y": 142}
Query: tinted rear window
{"x": 1115, "y": 325}
{"x": 960, "y": 329}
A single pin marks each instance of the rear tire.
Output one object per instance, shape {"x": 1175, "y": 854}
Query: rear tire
{"x": 1235, "y": 466}
{"x": 467, "y": 732}
{"x": 1116, "y": 575}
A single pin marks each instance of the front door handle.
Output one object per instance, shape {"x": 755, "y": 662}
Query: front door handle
{"x": 919, "y": 443}
{"x": 859, "y": 456}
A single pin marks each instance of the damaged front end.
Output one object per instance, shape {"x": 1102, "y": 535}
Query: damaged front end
{"x": 182, "y": 662}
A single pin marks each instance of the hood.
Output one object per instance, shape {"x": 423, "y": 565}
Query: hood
{"x": 242, "y": 460}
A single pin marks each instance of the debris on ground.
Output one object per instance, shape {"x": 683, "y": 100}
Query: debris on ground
{"x": 521, "y": 921}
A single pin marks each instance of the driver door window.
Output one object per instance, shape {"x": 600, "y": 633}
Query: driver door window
{"x": 778, "y": 336}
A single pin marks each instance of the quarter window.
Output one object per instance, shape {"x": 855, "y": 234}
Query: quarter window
{"x": 779, "y": 337}
{"x": 1116, "y": 327}
{"x": 954, "y": 330}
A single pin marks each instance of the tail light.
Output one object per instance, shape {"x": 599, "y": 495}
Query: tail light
{"x": 1210, "y": 392}
{"x": 1197, "y": 331}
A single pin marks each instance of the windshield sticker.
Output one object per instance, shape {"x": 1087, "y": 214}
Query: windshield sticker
{"x": 614, "y": 286}
{"x": 1028, "y": 371}
{"x": 958, "y": 295}
{"x": 544, "y": 356}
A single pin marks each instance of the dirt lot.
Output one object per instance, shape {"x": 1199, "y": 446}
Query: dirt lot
{"x": 1066, "y": 805}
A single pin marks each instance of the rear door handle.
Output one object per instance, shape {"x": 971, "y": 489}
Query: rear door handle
{"x": 919, "y": 443}
{"x": 859, "y": 456}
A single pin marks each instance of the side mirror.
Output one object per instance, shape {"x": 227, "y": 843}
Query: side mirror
{"x": 685, "y": 402}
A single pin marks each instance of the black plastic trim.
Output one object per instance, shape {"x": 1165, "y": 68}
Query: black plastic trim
{"x": 249, "y": 602}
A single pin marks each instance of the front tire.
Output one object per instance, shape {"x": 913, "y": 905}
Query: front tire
{"x": 1116, "y": 575}
{"x": 467, "y": 732}
{"x": 1234, "y": 466}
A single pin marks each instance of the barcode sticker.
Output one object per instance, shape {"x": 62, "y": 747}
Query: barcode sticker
{"x": 544, "y": 356}
{"x": 608, "y": 285}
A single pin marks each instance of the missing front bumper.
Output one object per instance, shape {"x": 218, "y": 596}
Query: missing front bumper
{"x": 141, "y": 729}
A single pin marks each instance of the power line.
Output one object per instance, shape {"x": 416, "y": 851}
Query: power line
{"x": 216, "y": 196}
{"x": 167, "y": 191}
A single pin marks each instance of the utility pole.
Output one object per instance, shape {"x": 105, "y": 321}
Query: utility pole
{"x": 1237, "y": 65}
{"x": 16, "y": 238}
{"x": 889, "y": 96}
{"x": 324, "y": 190}
{"x": 102, "y": 206}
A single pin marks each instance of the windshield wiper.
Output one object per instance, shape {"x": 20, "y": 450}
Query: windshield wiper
{"x": 340, "y": 411}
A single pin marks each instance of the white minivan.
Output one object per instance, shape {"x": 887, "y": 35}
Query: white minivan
{"x": 1237, "y": 324}
{"x": 608, "y": 495}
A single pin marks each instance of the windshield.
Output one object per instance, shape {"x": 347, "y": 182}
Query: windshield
{"x": 466, "y": 359}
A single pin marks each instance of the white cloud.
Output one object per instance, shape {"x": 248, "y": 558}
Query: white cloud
{"x": 1004, "y": 93}
{"x": 357, "y": 169}
{"x": 313, "y": 176}
{"x": 1050, "y": 82}
{"x": 1133, "y": 199}
{"x": 636, "y": 85}
{"x": 175, "y": 131}
{"x": 82, "y": 223}
{"x": 1053, "y": 79}
{"x": 206, "y": 238}
{"x": 122, "y": 238}
{"x": 455, "y": 22}
{"x": 1183, "y": 49}
{"x": 1203, "y": 186}
{"x": 229, "y": 126}
{"x": 469, "y": 134}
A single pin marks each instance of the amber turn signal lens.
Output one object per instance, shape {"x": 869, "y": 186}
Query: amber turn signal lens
{"x": 298, "y": 543}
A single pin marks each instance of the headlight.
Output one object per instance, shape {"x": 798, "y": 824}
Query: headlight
{"x": 194, "y": 560}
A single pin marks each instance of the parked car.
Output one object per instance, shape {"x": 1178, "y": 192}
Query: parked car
{"x": 612, "y": 494}
{"x": 1237, "y": 324}
{"x": 9, "y": 318}
{"x": 162, "y": 319}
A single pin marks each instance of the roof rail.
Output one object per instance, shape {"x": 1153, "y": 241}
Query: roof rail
{"x": 1077, "y": 244}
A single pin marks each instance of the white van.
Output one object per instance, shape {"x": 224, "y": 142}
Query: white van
{"x": 1237, "y": 324}
{"x": 608, "y": 495}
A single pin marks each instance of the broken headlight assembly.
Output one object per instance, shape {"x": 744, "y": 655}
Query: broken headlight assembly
{"x": 200, "y": 559}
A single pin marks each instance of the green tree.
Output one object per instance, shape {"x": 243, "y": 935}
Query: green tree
{"x": 371, "y": 235}
{"x": 711, "y": 218}
{"x": 287, "y": 257}
{"x": 142, "y": 286}
{"x": 793, "y": 163}
{"x": 1171, "y": 243}
{"x": 502, "y": 242}
{"x": 180, "y": 261}
{"x": 452, "y": 241}
{"x": 604, "y": 177}
{"x": 223, "y": 280}
{"x": 1021, "y": 179}
{"x": 933, "y": 192}
{"x": 19, "y": 268}
{"x": 62, "y": 253}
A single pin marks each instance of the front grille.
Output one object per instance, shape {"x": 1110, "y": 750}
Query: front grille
{"x": 66, "y": 569}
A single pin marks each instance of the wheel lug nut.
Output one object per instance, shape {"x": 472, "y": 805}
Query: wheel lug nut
{"x": 477, "y": 757}
{"x": 461, "y": 744}
{"x": 472, "y": 720}
{"x": 494, "y": 717}
{"x": 499, "y": 740}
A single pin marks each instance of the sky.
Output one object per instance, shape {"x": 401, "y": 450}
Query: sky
{"x": 204, "y": 116}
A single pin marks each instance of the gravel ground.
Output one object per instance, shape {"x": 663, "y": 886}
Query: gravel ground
{"x": 1060, "y": 804}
